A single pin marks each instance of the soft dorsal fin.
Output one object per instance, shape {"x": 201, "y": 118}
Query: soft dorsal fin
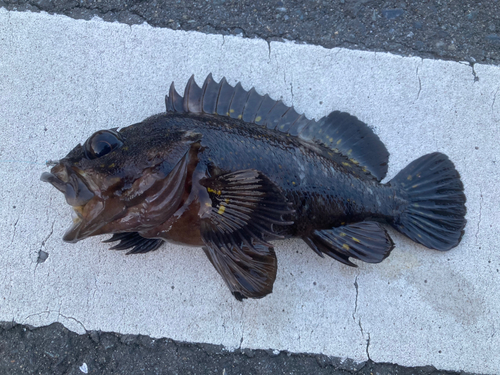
{"x": 339, "y": 131}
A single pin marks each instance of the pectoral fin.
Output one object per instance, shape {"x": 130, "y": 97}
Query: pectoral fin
{"x": 249, "y": 272}
{"x": 366, "y": 241}
{"x": 245, "y": 205}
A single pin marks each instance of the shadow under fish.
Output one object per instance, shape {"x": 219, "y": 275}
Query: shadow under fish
{"x": 230, "y": 170}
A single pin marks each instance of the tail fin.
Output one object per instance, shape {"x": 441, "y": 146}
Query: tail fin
{"x": 435, "y": 211}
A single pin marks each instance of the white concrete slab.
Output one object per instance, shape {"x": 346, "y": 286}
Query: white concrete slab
{"x": 62, "y": 79}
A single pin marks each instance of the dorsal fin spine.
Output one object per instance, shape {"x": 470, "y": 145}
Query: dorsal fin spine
{"x": 339, "y": 132}
{"x": 204, "y": 90}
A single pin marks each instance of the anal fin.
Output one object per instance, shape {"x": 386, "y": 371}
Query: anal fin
{"x": 366, "y": 241}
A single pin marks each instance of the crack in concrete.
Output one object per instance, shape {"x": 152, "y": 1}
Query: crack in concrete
{"x": 35, "y": 314}
{"x": 42, "y": 255}
{"x": 14, "y": 232}
{"x": 58, "y": 314}
{"x": 368, "y": 346}
{"x": 476, "y": 78}
{"x": 242, "y": 330}
{"x": 494, "y": 100}
{"x": 93, "y": 293}
{"x": 74, "y": 319}
{"x": 356, "y": 301}
{"x": 471, "y": 64}
{"x": 356, "y": 285}
{"x": 480, "y": 215}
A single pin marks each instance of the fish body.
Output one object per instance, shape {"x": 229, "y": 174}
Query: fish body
{"x": 229, "y": 170}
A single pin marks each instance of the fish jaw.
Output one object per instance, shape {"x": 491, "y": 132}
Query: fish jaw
{"x": 103, "y": 205}
{"x": 90, "y": 211}
{"x": 92, "y": 217}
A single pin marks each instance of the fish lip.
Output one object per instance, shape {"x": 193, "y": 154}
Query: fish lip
{"x": 70, "y": 182}
{"x": 54, "y": 181}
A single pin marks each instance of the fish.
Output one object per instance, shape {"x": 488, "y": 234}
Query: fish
{"x": 230, "y": 170}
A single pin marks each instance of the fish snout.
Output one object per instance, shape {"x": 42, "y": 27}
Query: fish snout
{"x": 70, "y": 184}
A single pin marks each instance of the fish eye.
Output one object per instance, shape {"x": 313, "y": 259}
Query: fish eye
{"x": 102, "y": 143}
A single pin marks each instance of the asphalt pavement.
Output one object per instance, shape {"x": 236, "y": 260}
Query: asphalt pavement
{"x": 71, "y": 309}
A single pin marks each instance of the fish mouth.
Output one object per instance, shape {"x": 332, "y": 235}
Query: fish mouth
{"x": 71, "y": 185}
{"x": 77, "y": 195}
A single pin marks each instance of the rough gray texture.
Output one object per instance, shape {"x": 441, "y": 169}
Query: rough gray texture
{"x": 55, "y": 350}
{"x": 445, "y": 29}
{"x": 62, "y": 79}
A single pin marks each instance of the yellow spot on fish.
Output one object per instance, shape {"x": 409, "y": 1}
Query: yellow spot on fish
{"x": 293, "y": 182}
{"x": 331, "y": 139}
{"x": 231, "y": 110}
{"x": 414, "y": 186}
{"x": 279, "y": 166}
{"x": 125, "y": 148}
{"x": 240, "y": 117}
{"x": 346, "y": 164}
{"x": 419, "y": 235}
{"x": 208, "y": 204}
{"x": 338, "y": 142}
{"x": 342, "y": 234}
{"x": 258, "y": 118}
{"x": 226, "y": 200}
{"x": 112, "y": 165}
{"x": 355, "y": 239}
{"x": 349, "y": 152}
{"x": 342, "y": 223}
{"x": 221, "y": 210}
{"x": 345, "y": 246}
{"x": 418, "y": 175}
{"x": 409, "y": 178}
{"x": 218, "y": 192}
{"x": 102, "y": 165}
{"x": 416, "y": 205}
{"x": 365, "y": 170}
{"x": 354, "y": 161}
{"x": 78, "y": 209}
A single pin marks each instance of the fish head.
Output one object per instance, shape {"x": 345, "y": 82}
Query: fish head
{"x": 116, "y": 180}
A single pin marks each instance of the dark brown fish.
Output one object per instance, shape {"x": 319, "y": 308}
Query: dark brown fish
{"x": 229, "y": 170}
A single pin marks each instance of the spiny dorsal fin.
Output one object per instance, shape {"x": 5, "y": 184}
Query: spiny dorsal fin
{"x": 339, "y": 131}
